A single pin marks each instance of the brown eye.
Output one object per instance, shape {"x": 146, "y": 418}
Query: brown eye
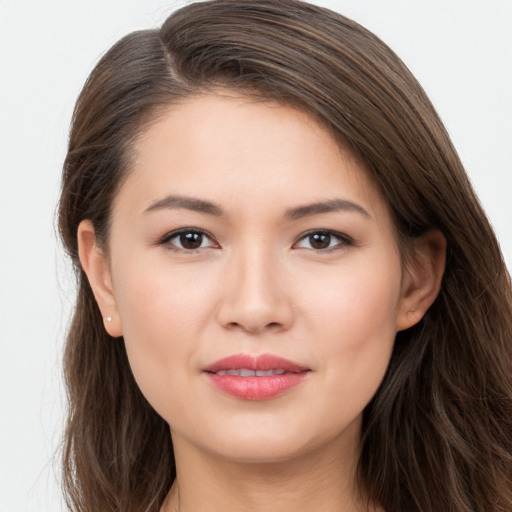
{"x": 320, "y": 240}
{"x": 188, "y": 240}
{"x": 323, "y": 241}
{"x": 191, "y": 240}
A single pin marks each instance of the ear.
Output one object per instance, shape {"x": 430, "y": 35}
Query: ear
{"x": 96, "y": 266}
{"x": 422, "y": 278}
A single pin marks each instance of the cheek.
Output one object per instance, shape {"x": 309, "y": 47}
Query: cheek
{"x": 355, "y": 324}
{"x": 162, "y": 315}
{"x": 361, "y": 297}
{"x": 157, "y": 300}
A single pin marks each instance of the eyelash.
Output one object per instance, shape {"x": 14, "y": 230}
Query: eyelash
{"x": 343, "y": 240}
{"x": 166, "y": 240}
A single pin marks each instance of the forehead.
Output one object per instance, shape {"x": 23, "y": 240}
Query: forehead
{"x": 231, "y": 146}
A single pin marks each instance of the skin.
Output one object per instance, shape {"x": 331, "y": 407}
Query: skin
{"x": 257, "y": 284}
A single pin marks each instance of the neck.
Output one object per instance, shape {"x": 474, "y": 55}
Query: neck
{"x": 322, "y": 480}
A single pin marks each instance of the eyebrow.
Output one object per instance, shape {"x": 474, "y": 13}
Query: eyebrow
{"x": 334, "y": 205}
{"x": 186, "y": 203}
{"x": 299, "y": 212}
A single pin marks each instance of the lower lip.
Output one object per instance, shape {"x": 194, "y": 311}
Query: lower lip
{"x": 256, "y": 388}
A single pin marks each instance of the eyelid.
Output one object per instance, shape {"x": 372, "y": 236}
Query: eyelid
{"x": 165, "y": 240}
{"x": 344, "y": 240}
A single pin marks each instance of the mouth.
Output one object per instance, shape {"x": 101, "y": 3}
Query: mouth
{"x": 255, "y": 378}
{"x": 255, "y": 366}
{"x": 246, "y": 372}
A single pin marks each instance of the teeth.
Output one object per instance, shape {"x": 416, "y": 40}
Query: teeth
{"x": 263, "y": 373}
{"x": 245, "y": 372}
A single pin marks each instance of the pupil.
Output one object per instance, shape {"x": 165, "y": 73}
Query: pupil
{"x": 320, "y": 241}
{"x": 191, "y": 240}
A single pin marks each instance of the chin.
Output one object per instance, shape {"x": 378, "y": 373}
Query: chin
{"x": 272, "y": 442}
{"x": 258, "y": 450}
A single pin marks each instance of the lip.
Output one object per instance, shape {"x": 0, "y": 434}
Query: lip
{"x": 255, "y": 388}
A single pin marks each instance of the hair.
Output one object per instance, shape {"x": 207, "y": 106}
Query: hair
{"x": 438, "y": 433}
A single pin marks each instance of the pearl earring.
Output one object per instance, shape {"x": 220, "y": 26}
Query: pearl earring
{"x": 109, "y": 319}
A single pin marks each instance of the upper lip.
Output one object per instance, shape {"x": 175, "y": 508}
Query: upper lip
{"x": 259, "y": 362}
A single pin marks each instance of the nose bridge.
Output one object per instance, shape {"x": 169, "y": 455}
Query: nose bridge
{"x": 261, "y": 283}
{"x": 255, "y": 296}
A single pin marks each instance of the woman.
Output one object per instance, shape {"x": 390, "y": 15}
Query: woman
{"x": 289, "y": 296}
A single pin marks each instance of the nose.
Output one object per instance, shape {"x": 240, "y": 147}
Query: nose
{"x": 254, "y": 293}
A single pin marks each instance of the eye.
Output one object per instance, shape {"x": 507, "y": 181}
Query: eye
{"x": 188, "y": 239}
{"x": 322, "y": 240}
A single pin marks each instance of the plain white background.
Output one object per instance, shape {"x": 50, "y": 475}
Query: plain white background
{"x": 461, "y": 51}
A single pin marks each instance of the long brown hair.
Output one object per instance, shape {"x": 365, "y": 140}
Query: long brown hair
{"x": 438, "y": 434}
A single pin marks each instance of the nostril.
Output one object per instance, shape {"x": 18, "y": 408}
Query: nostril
{"x": 255, "y": 312}
{"x": 256, "y": 328}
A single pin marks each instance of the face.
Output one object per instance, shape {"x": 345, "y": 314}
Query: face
{"x": 255, "y": 279}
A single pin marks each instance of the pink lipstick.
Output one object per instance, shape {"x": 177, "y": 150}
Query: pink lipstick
{"x": 255, "y": 377}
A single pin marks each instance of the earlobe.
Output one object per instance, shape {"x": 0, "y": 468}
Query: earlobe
{"x": 422, "y": 278}
{"x": 95, "y": 265}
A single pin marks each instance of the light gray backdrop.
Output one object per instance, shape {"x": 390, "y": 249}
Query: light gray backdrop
{"x": 461, "y": 51}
